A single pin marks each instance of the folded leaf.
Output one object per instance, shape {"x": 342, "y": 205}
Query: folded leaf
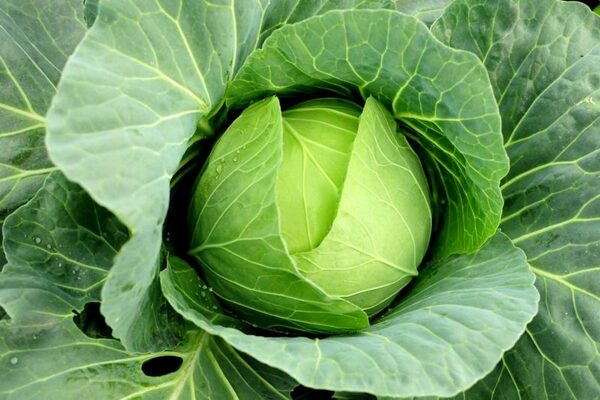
{"x": 461, "y": 314}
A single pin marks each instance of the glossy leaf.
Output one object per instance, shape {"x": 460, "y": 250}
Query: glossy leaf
{"x": 542, "y": 57}
{"x": 63, "y": 233}
{"x": 62, "y": 236}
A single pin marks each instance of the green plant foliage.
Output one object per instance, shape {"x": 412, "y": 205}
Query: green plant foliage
{"x": 425, "y": 10}
{"x": 145, "y": 143}
{"x": 260, "y": 199}
{"x": 266, "y": 281}
{"x": 318, "y": 140}
{"x": 36, "y": 38}
{"x": 442, "y": 94}
{"x": 412, "y": 346}
{"x": 61, "y": 268}
{"x": 253, "y": 194}
{"x": 551, "y": 196}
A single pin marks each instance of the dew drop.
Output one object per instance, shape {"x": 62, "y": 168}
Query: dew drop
{"x": 210, "y": 290}
{"x": 219, "y": 168}
{"x": 60, "y": 265}
{"x": 238, "y": 151}
{"x": 14, "y": 360}
{"x": 214, "y": 307}
{"x": 203, "y": 294}
{"x": 235, "y": 159}
{"x": 37, "y": 240}
{"x": 49, "y": 246}
{"x": 204, "y": 287}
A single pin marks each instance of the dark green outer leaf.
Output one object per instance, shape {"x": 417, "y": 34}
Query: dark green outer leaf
{"x": 543, "y": 58}
{"x": 293, "y": 11}
{"x": 63, "y": 237}
{"x": 428, "y": 344}
{"x": 443, "y": 94}
{"x": 129, "y": 101}
{"x": 60, "y": 246}
{"x": 36, "y": 37}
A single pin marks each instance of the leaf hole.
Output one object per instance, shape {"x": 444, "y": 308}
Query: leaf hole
{"x": 92, "y": 323}
{"x": 304, "y": 393}
{"x": 162, "y": 365}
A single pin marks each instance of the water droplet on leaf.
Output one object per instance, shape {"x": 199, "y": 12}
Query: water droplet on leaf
{"x": 14, "y": 360}
{"x": 37, "y": 240}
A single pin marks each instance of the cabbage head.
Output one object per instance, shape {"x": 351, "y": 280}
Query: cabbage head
{"x": 348, "y": 201}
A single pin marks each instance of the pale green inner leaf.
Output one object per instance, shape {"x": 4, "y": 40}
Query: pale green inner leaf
{"x": 381, "y": 231}
{"x": 317, "y": 141}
